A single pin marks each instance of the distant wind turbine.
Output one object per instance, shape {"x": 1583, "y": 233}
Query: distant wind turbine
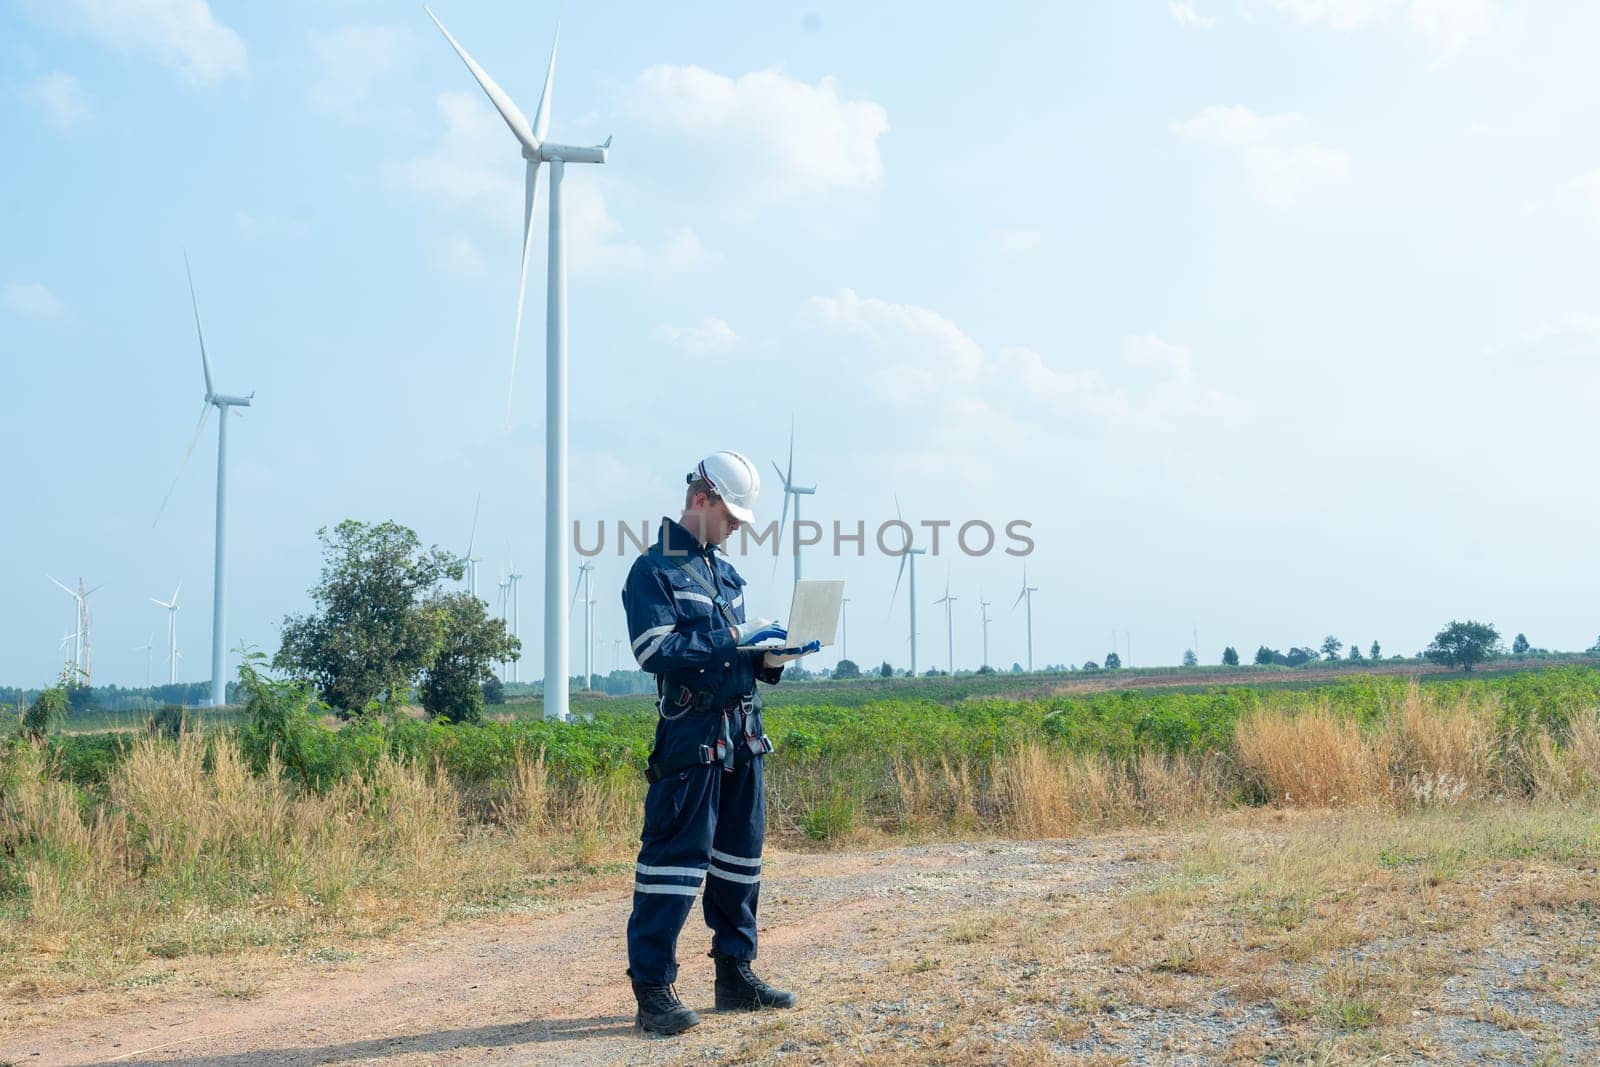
{"x": 222, "y": 403}
{"x": 469, "y": 561}
{"x": 512, "y": 578}
{"x": 146, "y": 649}
{"x": 585, "y": 569}
{"x": 537, "y": 150}
{"x": 1027, "y": 594}
{"x": 910, "y": 554}
{"x": 172, "y": 632}
{"x": 844, "y": 628}
{"x": 949, "y": 626}
{"x": 795, "y": 491}
{"x": 983, "y": 612}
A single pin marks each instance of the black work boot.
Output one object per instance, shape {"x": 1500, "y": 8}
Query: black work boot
{"x": 660, "y": 1010}
{"x": 738, "y": 988}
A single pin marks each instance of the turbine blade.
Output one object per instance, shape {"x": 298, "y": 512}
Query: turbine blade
{"x": 205, "y": 363}
{"x": 199, "y": 426}
{"x": 473, "y": 537}
{"x": 541, "y": 117}
{"x": 175, "y": 592}
{"x": 900, "y": 574}
{"x": 497, "y": 96}
{"x": 1020, "y": 595}
{"x": 70, "y": 592}
{"x": 530, "y": 194}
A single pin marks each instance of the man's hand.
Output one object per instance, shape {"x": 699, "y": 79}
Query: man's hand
{"x": 756, "y": 630}
{"x": 779, "y": 658}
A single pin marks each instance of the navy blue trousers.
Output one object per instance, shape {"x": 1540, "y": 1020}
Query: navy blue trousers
{"x": 703, "y": 830}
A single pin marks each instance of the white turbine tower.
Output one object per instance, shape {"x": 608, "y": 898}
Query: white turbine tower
{"x": 537, "y": 150}
{"x": 983, "y": 612}
{"x": 172, "y": 632}
{"x": 146, "y": 648}
{"x": 1027, "y": 594}
{"x": 909, "y": 554}
{"x": 512, "y": 579}
{"x": 949, "y": 625}
{"x": 795, "y": 491}
{"x": 844, "y": 628}
{"x": 469, "y": 561}
{"x": 76, "y": 633}
{"x": 585, "y": 569}
{"x": 222, "y": 403}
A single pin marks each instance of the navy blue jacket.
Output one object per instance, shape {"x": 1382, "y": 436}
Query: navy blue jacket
{"x": 677, "y": 632}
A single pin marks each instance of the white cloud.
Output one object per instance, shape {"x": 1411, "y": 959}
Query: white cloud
{"x": 62, "y": 99}
{"x": 713, "y": 335}
{"x": 461, "y": 256}
{"x": 798, "y": 139}
{"x": 1448, "y": 24}
{"x": 180, "y": 33}
{"x": 30, "y": 298}
{"x": 350, "y": 61}
{"x": 477, "y": 166}
{"x": 1184, "y": 14}
{"x": 1014, "y": 242}
{"x": 915, "y": 357}
{"x": 1280, "y": 164}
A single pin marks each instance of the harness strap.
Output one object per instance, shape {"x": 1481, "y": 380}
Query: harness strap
{"x": 713, "y": 587}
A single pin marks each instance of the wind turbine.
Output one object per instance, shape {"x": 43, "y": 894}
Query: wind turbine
{"x": 503, "y": 589}
{"x": 81, "y": 663}
{"x": 469, "y": 560}
{"x": 844, "y": 628}
{"x": 537, "y": 150}
{"x": 585, "y": 569}
{"x": 512, "y": 578}
{"x": 796, "y": 491}
{"x": 146, "y": 648}
{"x": 949, "y": 626}
{"x": 1027, "y": 594}
{"x": 983, "y": 611}
{"x": 172, "y": 631}
{"x": 222, "y": 403}
{"x": 76, "y": 635}
{"x": 909, "y": 554}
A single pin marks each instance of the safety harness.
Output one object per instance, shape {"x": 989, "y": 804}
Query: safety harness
{"x": 687, "y": 700}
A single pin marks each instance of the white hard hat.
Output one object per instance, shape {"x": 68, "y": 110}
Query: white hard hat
{"x": 735, "y": 479}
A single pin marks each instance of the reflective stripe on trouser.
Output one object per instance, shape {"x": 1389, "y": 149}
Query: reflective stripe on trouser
{"x": 702, "y": 822}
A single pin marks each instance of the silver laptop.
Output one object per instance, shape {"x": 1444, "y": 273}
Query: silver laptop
{"x": 813, "y": 614}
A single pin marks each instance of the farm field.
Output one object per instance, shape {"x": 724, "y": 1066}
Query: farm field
{"x": 1329, "y": 873}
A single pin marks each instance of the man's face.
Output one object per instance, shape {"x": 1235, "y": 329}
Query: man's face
{"x": 716, "y": 523}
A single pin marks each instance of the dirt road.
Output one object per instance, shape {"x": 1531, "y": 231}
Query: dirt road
{"x": 998, "y": 952}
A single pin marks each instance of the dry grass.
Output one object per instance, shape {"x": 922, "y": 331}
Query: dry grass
{"x": 188, "y": 852}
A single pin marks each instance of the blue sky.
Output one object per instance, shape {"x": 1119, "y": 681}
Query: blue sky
{"x": 1275, "y": 318}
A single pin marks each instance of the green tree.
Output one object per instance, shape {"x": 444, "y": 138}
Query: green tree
{"x": 1519, "y": 646}
{"x": 1190, "y": 659}
{"x": 1331, "y": 646}
{"x": 1355, "y": 652}
{"x": 1112, "y": 662}
{"x": 494, "y": 691}
{"x": 1230, "y": 657}
{"x": 453, "y": 684}
{"x": 371, "y": 633}
{"x": 1296, "y": 656}
{"x": 1091, "y": 665}
{"x": 1462, "y": 644}
{"x": 1266, "y": 657}
{"x": 885, "y": 671}
{"x": 847, "y": 668}
{"x": 1376, "y": 651}
{"x": 48, "y": 708}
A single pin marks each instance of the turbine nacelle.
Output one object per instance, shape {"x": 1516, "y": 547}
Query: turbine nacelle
{"x": 222, "y": 401}
{"x": 566, "y": 153}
